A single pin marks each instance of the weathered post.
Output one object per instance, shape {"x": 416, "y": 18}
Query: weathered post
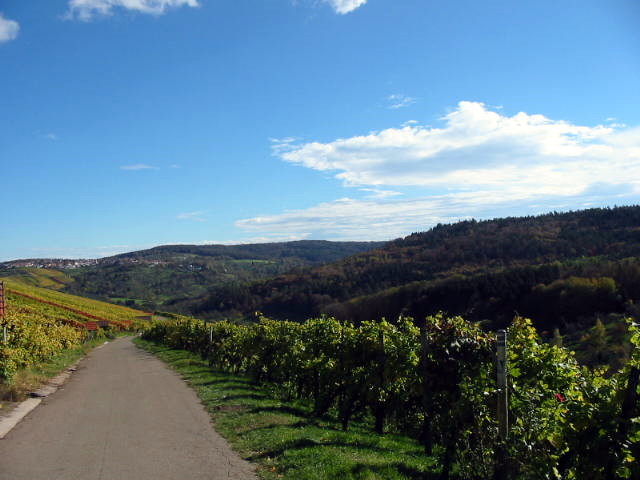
{"x": 503, "y": 399}
{"x": 502, "y": 470}
{"x": 1, "y": 300}
{"x": 427, "y": 431}
{"x": 4, "y": 327}
{"x": 380, "y": 408}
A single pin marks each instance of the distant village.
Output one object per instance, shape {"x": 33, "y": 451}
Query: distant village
{"x": 59, "y": 263}
{"x": 69, "y": 264}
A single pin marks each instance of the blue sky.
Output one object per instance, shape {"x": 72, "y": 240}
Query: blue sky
{"x": 126, "y": 124}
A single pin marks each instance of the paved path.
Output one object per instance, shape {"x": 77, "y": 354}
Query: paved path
{"x": 122, "y": 416}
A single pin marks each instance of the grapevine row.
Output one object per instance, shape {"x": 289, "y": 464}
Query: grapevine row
{"x": 123, "y": 324}
{"x": 39, "y": 324}
{"x": 435, "y": 381}
{"x": 85, "y": 305}
{"x": 31, "y": 336}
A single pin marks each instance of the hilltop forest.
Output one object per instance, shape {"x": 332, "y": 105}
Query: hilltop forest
{"x": 567, "y": 271}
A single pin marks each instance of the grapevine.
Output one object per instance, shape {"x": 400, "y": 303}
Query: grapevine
{"x": 435, "y": 380}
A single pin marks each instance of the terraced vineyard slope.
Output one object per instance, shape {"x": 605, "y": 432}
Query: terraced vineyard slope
{"x": 40, "y": 323}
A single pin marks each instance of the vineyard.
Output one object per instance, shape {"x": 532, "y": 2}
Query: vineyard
{"x": 86, "y": 307}
{"x": 435, "y": 381}
{"x": 38, "y": 324}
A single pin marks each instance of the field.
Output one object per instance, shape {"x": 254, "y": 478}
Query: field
{"x": 42, "y": 277}
{"x": 87, "y": 306}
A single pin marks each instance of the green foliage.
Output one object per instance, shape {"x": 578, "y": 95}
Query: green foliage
{"x": 435, "y": 381}
{"x": 33, "y": 336}
{"x": 40, "y": 323}
{"x": 283, "y": 438}
{"x": 574, "y": 297}
{"x": 38, "y": 277}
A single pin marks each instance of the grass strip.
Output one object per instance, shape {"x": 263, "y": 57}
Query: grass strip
{"x": 282, "y": 437}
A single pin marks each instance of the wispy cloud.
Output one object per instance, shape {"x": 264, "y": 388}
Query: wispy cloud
{"x": 137, "y": 166}
{"x": 192, "y": 216}
{"x": 383, "y": 219}
{"x": 378, "y": 193}
{"x": 478, "y": 162}
{"x": 399, "y": 100}
{"x": 351, "y": 219}
{"x": 345, "y": 6}
{"x": 86, "y": 10}
{"x": 8, "y": 29}
{"x": 51, "y": 136}
{"x": 280, "y": 146}
{"x": 267, "y": 238}
{"x": 84, "y": 252}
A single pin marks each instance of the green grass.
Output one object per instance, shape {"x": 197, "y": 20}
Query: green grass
{"x": 284, "y": 440}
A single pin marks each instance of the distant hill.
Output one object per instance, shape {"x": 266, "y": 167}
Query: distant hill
{"x": 303, "y": 251}
{"x": 159, "y": 277}
{"x": 562, "y": 269}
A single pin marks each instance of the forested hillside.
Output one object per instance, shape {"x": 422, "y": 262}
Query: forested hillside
{"x": 563, "y": 270}
{"x": 152, "y": 278}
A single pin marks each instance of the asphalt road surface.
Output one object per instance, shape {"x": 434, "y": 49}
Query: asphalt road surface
{"x": 122, "y": 416}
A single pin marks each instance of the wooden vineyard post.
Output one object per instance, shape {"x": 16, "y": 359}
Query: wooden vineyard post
{"x": 427, "y": 433}
{"x": 380, "y": 407}
{"x": 502, "y": 470}
{"x": 1, "y": 300}
{"x": 2, "y": 308}
{"x": 503, "y": 399}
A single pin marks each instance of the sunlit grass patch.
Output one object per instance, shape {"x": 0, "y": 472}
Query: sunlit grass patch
{"x": 282, "y": 437}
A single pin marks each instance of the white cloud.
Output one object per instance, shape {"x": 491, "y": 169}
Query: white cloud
{"x": 282, "y": 145}
{"x": 478, "y": 162}
{"x": 137, "y": 166}
{"x": 88, "y": 9}
{"x": 51, "y": 136}
{"x": 399, "y": 100}
{"x": 345, "y": 6}
{"x": 8, "y": 29}
{"x": 192, "y": 216}
{"x": 267, "y": 238}
{"x": 358, "y": 219}
{"x": 381, "y": 219}
{"x": 379, "y": 193}
{"x": 477, "y": 148}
